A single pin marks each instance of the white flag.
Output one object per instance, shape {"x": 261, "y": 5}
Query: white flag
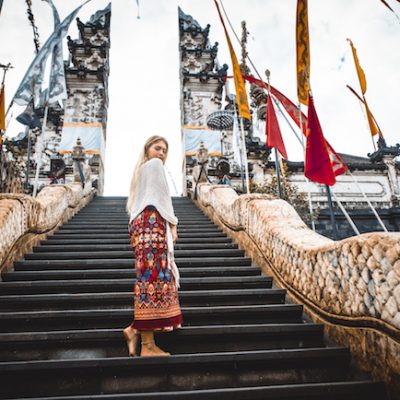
{"x": 31, "y": 84}
{"x": 57, "y": 84}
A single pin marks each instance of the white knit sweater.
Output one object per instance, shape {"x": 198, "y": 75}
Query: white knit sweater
{"x": 152, "y": 189}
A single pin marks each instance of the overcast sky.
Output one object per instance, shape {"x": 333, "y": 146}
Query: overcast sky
{"x": 144, "y": 61}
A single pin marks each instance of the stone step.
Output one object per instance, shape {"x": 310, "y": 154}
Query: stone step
{"x": 123, "y": 262}
{"x": 187, "y": 298}
{"x": 357, "y": 390}
{"x": 113, "y": 285}
{"x": 124, "y": 239}
{"x": 82, "y": 222}
{"x": 82, "y": 255}
{"x": 124, "y": 273}
{"x": 63, "y": 308}
{"x": 177, "y": 372}
{"x": 90, "y": 235}
{"x": 96, "y": 246}
{"x": 111, "y": 230}
{"x": 117, "y": 318}
{"x": 102, "y": 343}
{"x": 123, "y": 217}
{"x": 182, "y": 210}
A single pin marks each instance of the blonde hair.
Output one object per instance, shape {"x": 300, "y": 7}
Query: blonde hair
{"x": 143, "y": 157}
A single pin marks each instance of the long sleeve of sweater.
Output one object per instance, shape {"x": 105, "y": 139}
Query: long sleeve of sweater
{"x": 152, "y": 189}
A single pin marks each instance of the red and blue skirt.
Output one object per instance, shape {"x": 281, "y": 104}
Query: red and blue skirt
{"x": 156, "y": 302}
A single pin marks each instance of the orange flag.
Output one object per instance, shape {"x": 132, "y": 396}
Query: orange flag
{"x": 360, "y": 71}
{"x": 274, "y": 136}
{"x": 363, "y": 84}
{"x": 241, "y": 94}
{"x": 302, "y": 52}
{"x": 318, "y": 164}
{"x": 373, "y": 127}
{"x": 2, "y": 109}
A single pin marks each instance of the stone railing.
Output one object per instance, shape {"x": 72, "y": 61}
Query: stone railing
{"x": 352, "y": 285}
{"x": 24, "y": 220}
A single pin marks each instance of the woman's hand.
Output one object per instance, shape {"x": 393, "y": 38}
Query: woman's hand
{"x": 174, "y": 233}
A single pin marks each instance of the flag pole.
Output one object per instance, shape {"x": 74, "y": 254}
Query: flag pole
{"x": 332, "y": 214}
{"x": 278, "y": 174}
{"x": 244, "y": 157}
{"x": 28, "y": 162}
{"x": 310, "y": 207}
{"x": 40, "y": 147}
{"x": 241, "y": 153}
{"x": 2, "y": 131}
{"x": 277, "y": 169}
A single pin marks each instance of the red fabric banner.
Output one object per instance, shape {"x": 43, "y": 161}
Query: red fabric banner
{"x": 338, "y": 165}
{"x": 318, "y": 166}
{"x": 274, "y": 136}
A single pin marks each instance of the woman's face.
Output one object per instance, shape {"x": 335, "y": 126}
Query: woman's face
{"x": 158, "y": 149}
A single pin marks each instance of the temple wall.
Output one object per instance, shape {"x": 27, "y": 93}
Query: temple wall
{"x": 352, "y": 285}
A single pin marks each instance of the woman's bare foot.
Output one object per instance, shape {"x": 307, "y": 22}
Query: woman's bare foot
{"x": 132, "y": 341}
{"x": 149, "y": 349}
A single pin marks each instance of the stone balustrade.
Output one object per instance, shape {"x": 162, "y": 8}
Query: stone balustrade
{"x": 352, "y": 285}
{"x": 24, "y": 220}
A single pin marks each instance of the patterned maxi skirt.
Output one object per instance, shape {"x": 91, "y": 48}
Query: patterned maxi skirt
{"x": 156, "y": 302}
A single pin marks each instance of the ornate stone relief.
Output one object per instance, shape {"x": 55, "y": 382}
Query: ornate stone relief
{"x": 98, "y": 39}
{"x": 83, "y": 106}
{"x": 95, "y": 61}
{"x": 193, "y": 111}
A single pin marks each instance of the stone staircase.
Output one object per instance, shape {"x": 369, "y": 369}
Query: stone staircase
{"x": 63, "y": 307}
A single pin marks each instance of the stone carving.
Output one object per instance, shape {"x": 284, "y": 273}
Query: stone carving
{"x": 98, "y": 39}
{"x": 355, "y": 277}
{"x": 350, "y": 285}
{"x": 194, "y": 111}
{"x": 83, "y": 106}
{"x": 95, "y": 61}
{"x": 24, "y": 220}
{"x": 191, "y": 63}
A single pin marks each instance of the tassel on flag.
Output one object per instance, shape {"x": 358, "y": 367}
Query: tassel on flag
{"x": 318, "y": 166}
{"x": 363, "y": 84}
{"x": 274, "y": 136}
{"x": 241, "y": 94}
{"x": 371, "y": 120}
{"x": 302, "y": 52}
{"x": 362, "y": 101}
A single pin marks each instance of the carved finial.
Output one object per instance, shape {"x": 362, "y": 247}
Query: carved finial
{"x": 78, "y": 152}
{"x": 243, "y": 66}
{"x": 202, "y": 154}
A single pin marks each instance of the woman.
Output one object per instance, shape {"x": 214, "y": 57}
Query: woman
{"x": 153, "y": 233}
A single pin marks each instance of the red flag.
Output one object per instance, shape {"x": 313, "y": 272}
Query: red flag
{"x": 274, "y": 136}
{"x": 338, "y": 164}
{"x": 318, "y": 166}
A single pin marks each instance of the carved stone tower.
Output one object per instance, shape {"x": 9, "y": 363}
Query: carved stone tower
{"x": 202, "y": 81}
{"x": 87, "y": 82}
